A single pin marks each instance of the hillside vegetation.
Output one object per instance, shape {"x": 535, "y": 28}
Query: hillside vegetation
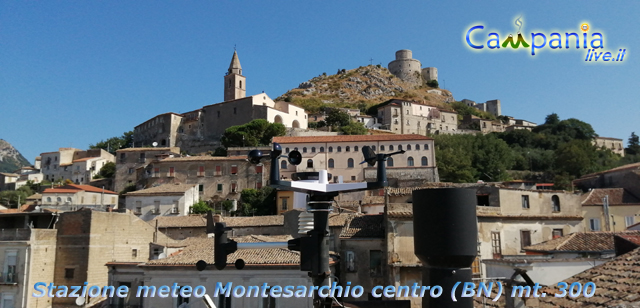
{"x": 361, "y": 88}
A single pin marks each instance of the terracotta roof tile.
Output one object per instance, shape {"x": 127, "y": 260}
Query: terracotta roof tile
{"x": 163, "y": 190}
{"x": 581, "y": 242}
{"x": 73, "y": 188}
{"x": 617, "y": 282}
{"x": 203, "y": 158}
{"x": 366, "y": 226}
{"x": 149, "y": 149}
{"x": 200, "y": 221}
{"x": 179, "y": 221}
{"x": 624, "y": 167}
{"x": 349, "y": 138}
{"x": 616, "y": 196}
{"x": 202, "y": 249}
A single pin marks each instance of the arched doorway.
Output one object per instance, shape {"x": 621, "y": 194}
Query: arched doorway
{"x": 295, "y": 124}
{"x": 278, "y": 119}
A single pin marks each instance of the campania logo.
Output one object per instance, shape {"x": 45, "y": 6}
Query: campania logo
{"x": 593, "y": 44}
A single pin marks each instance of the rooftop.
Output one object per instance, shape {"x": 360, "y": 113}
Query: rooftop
{"x": 349, "y": 138}
{"x": 617, "y": 281}
{"x": 616, "y": 196}
{"x": 203, "y": 158}
{"x": 366, "y": 226}
{"x": 581, "y": 242}
{"x": 200, "y": 221}
{"x": 202, "y": 249}
{"x": 149, "y": 149}
{"x": 163, "y": 190}
{"x": 73, "y": 188}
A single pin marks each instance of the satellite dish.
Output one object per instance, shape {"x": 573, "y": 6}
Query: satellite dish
{"x": 154, "y": 144}
{"x": 38, "y": 208}
{"x": 162, "y": 256}
{"x": 80, "y": 301}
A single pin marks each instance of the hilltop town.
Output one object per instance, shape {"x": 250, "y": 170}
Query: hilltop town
{"x": 131, "y": 210}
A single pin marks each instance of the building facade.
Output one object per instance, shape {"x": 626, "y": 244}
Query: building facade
{"x": 404, "y": 117}
{"x": 167, "y": 199}
{"x": 71, "y": 197}
{"x": 341, "y": 156}
{"x": 129, "y": 160}
{"x": 614, "y": 144}
{"x": 73, "y": 164}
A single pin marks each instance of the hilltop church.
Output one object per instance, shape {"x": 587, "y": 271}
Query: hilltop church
{"x": 200, "y": 130}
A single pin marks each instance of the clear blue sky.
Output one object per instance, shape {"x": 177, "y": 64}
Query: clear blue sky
{"x": 73, "y": 73}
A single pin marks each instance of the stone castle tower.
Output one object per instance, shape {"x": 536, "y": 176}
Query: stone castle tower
{"x": 235, "y": 85}
{"x": 410, "y": 70}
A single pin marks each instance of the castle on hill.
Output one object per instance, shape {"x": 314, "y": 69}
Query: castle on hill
{"x": 410, "y": 70}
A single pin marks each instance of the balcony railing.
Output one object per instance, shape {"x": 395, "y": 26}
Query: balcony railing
{"x": 15, "y": 234}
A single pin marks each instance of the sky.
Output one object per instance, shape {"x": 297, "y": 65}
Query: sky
{"x": 73, "y": 73}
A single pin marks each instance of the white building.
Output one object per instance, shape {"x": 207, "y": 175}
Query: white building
{"x": 167, "y": 199}
{"x": 74, "y": 164}
{"x": 72, "y": 197}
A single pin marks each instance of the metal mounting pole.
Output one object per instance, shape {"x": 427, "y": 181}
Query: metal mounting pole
{"x": 320, "y": 206}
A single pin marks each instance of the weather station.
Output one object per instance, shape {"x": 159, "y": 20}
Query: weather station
{"x": 314, "y": 245}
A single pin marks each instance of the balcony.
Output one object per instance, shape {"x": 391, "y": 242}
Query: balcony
{"x": 15, "y": 234}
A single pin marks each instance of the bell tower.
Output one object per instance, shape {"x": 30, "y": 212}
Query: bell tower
{"x": 234, "y": 83}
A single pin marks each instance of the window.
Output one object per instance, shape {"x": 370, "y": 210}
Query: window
{"x": 131, "y": 170}
{"x": 331, "y": 163}
{"x": 408, "y": 147}
{"x": 594, "y": 224}
{"x": 557, "y": 233}
{"x": 172, "y": 171}
{"x": 156, "y": 172}
{"x": 219, "y": 188}
{"x": 234, "y": 187}
{"x": 525, "y": 202}
{"x": 555, "y": 202}
{"x": 353, "y": 177}
{"x": 375, "y": 263}
{"x": 134, "y": 253}
{"x": 309, "y": 163}
{"x": 235, "y": 110}
{"x": 122, "y": 156}
{"x": 313, "y": 149}
{"x": 347, "y": 149}
{"x": 373, "y": 147}
{"x": 234, "y": 169}
{"x": 417, "y": 147}
{"x": 496, "y": 245}
{"x": 330, "y": 149}
{"x": 350, "y": 163}
{"x": 321, "y": 149}
{"x": 285, "y": 204}
{"x": 59, "y": 199}
{"x": 389, "y": 162}
{"x": 218, "y": 170}
{"x": 483, "y": 200}
{"x": 400, "y": 147}
{"x": 142, "y": 157}
{"x": 283, "y": 165}
{"x": 628, "y": 221}
{"x": 410, "y": 161}
{"x": 201, "y": 171}
{"x": 525, "y": 238}
{"x": 339, "y": 149}
{"x": 425, "y": 161}
{"x": 355, "y": 148}
{"x": 304, "y": 150}
{"x": 200, "y": 187}
{"x": 286, "y": 150}
{"x": 6, "y": 300}
{"x": 68, "y": 273}
{"x": 68, "y": 199}
{"x": 426, "y": 146}
{"x": 258, "y": 169}
{"x": 391, "y": 148}
{"x": 269, "y": 302}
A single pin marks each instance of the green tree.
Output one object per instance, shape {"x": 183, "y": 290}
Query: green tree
{"x": 492, "y": 157}
{"x": 115, "y": 143}
{"x": 552, "y": 119}
{"x": 14, "y": 198}
{"x": 354, "y": 128}
{"x": 575, "y": 158}
{"x": 220, "y": 151}
{"x": 200, "y": 207}
{"x": 433, "y": 83}
{"x": 337, "y": 118}
{"x": 255, "y": 133}
{"x": 108, "y": 171}
{"x": 258, "y": 201}
{"x": 634, "y": 145}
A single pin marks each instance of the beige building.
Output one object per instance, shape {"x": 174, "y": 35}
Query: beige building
{"x": 404, "y": 117}
{"x": 27, "y": 243}
{"x": 623, "y": 209}
{"x": 128, "y": 160}
{"x": 218, "y": 178}
{"x": 8, "y": 181}
{"x": 341, "y": 156}
{"x": 167, "y": 199}
{"x": 200, "y": 130}
{"x": 484, "y": 126}
{"x": 72, "y": 197}
{"x": 73, "y": 164}
{"x": 614, "y": 144}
